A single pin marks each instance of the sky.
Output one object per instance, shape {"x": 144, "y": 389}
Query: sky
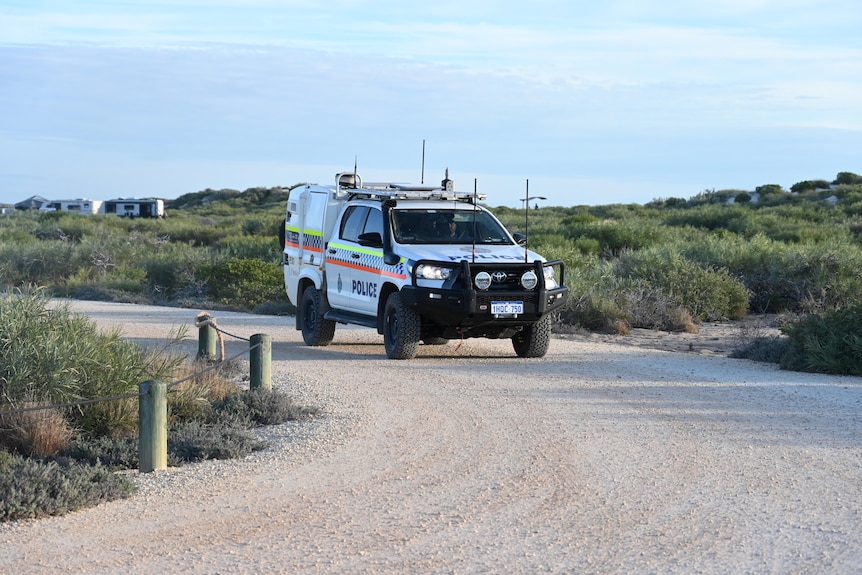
{"x": 622, "y": 101}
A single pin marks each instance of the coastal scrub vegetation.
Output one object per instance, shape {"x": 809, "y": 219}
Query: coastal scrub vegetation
{"x": 669, "y": 264}
{"x": 69, "y": 408}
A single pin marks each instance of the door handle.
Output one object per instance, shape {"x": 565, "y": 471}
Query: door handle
{"x": 355, "y": 256}
{"x": 331, "y": 251}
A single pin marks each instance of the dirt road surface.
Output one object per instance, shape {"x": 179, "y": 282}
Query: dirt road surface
{"x": 599, "y": 458}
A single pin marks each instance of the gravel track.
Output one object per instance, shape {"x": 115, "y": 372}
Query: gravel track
{"x": 598, "y": 458}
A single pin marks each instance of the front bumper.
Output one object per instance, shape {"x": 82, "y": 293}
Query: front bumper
{"x": 464, "y": 307}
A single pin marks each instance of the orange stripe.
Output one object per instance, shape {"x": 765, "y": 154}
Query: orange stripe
{"x": 308, "y": 247}
{"x": 392, "y": 275}
{"x": 365, "y": 269}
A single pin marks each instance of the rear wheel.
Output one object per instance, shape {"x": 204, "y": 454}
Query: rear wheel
{"x": 315, "y": 330}
{"x": 401, "y": 328}
{"x": 533, "y": 340}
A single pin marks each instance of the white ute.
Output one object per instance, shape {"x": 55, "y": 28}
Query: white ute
{"x": 417, "y": 263}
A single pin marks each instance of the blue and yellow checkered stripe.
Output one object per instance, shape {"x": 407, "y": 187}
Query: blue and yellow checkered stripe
{"x": 313, "y": 240}
{"x": 369, "y": 260}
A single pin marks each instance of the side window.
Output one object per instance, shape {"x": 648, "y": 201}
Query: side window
{"x": 374, "y": 223}
{"x": 353, "y": 223}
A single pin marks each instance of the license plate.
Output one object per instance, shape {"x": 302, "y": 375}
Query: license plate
{"x": 507, "y": 307}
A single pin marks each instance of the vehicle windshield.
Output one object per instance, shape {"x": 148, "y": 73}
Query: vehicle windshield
{"x": 436, "y": 226}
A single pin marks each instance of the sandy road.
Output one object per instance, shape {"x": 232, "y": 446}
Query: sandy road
{"x": 599, "y": 458}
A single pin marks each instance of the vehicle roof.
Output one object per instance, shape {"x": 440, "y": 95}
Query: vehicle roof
{"x": 425, "y": 204}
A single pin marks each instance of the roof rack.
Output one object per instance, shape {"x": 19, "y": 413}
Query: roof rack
{"x": 413, "y": 194}
{"x": 353, "y": 185}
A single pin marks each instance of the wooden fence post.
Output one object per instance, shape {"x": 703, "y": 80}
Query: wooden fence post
{"x": 260, "y": 361}
{"x": 152, "y": 426}
{"x": 207, "y": 336}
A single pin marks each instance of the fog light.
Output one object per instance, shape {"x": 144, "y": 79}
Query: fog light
{"x": 483, "y": 280}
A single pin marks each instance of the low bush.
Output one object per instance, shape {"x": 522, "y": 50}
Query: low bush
{"x": 246, "y": 282}
{"x": 705, "y": 293}
{"x": 651, "y": 307}
{"x": 763, "y": 349}
{"x": 42, "y": 486}
{"x": 826, "y": 343}
{"x": 259, "y": 407}
{"x": 196, "y": 440}
{"x": 36, "y": 488}
{"x": 220, "y": 430}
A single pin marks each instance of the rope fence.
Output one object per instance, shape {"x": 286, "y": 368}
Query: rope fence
{"x": 152, "y": 395}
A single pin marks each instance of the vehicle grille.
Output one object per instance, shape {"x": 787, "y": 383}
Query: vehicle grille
{"x": 501, "y": 279}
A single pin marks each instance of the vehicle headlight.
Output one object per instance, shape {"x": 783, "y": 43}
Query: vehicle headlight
{"x": 550, "y": 281}
{"x": 483, "y": 280}
{"x": 430, "y": 272}
{"x": 529, "y": 280}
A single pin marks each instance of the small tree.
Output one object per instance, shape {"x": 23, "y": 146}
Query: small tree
{"x": 767, "y": 189}
{"x": 808, "y": 186}
{"x": 847, "y": 178}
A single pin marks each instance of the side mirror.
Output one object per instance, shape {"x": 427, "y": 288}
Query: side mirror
{"x": 520, "y": 238}
{"x": 371, "y": 240}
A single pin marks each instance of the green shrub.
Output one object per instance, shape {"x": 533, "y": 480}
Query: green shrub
{"x": 763, "y": 349}
{"x": 848, "y": 178}
{"x": 246, "y": 282}
{"x": 262, "y": 247}
{"x": 195, "y": 440}
{"x": 260, "y": 407}
{"x": 613, "y": 237}
{"x": 706, "y": 293}
{"x": 651, "y": 307}
{"x": 603, "y": 300}
{"x": 41, "y": 263}
{"x": 595, "y": 313}
{"x": 733, "y": 218}
{"x": 113, "y": 453}
{"x": 177, "y": 271}
{"x": 781, "y": 277}
{"x": 33, "y": 488}
{"x": 827, "y": 343}
{"x": 189, "y": 441}
{"x": 53, "y": 356}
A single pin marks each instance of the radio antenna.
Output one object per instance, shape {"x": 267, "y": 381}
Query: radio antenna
{"x": 475, "y": 200}
{"x": 526, "y": 217}
{"x": 423, "y": 162}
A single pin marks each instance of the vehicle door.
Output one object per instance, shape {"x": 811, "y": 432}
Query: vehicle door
{"x": 353, "y": 270}
{"x": 366, "y": 290}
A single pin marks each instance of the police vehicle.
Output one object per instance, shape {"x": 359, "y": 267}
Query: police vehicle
{"x": 420, "y": 264}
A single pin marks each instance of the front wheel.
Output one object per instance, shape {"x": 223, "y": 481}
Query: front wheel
{"x": 316, "y": 331}
{"x": 401, "y": 328}
{"x": 533, "y": 340}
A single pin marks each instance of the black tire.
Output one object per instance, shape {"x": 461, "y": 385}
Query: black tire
{"x": 533, "y": 340}
{"x": 316, "y": 331}
{"x": 435, "y": 340}
{"x": 401, "y": 329}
